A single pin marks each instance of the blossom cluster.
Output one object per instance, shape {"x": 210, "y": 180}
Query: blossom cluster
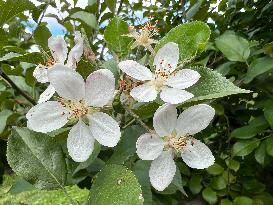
{"x": 82, "y": 102}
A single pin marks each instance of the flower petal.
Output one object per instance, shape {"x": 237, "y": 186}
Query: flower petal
{"x": 47, "y": 94}
{"x": 80, "y": 142}
{"x": 167, "y": 57}
{"x": 183, "y": 79}
{"x": 194, "y": 119}
{"x": 197, "y": 155}
{"x": 40, "y": 73}
{"x": 162, "y": 171}
{"x": 100, "y": 88}
{"x": 58, "y": 48}
{"x": 76, "y": 52}
{"x": 144, "y": 93}
{"x": 47, "y": 116}
{"x": 104, "y": 129}
{"x": 149, "y": 146}
{"x": 68, "y": 83}
{"x": 175, "y": 96}
{"x": 135, "y": 70}
{"x": 164, "y": 120}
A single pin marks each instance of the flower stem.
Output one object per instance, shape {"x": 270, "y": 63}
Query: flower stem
{"x": 15, "y": 87}
{"x": 137, "y": 118}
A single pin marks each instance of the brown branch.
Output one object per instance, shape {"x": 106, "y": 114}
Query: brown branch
{"x": 15, "y": 87}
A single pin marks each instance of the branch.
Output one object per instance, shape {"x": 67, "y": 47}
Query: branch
{"x": 15, "y": 87}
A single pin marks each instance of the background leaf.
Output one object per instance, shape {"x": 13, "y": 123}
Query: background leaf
{"x": 113, "y": 36}
{"x": 115, "y": 185}
{"x": 191, "y": 38}
{"x": 234, "y": 47}
{"x": 36, "y": 157}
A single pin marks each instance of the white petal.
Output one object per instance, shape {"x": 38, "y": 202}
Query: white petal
{"x": 135, "y": 70}
{"x": 80, "y": 142}
{"x": 175, "y": 96}
{"x": 183, "y": 79}
{"x": 194, "y": 119}
{"x": 47, "y": 94}
{"x": 100, "y": 87}
{"x": 76, "y": 52}
{"x": 144, "y": 93}
{"x": 68, "y": 83}
{"x": 197, "y": 155}
{"x": 162, "y": 171}
{"x": 104, "y": 129}
{"x": 58, "y": 48}
{"x": 164, "y": 120}
{"x": 167, "y": 57}
{"x": 149, "y": 146}
{"x": 40, "y": 73}
{"x": 47, "y": 116}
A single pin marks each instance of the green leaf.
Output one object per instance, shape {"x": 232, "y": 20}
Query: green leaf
{"x": 224, "y": 68}
{"x": 3, "y": 38}
{"x": 115, "y": 185}
{"x": 226, "y": 202}
{"x": 243, "y": 200}
{"x": 268, "y": 112}
{"x": 127, "y": 145}
{"x": 88, "y": 18}
{"x": 260, "y": 153}
{"x": 218, "y": 183}
{"x": 269, "y": 146}
{"x": 111, "y": 4}
{"x": 234, "y": 47}
{"x": 145, "y": 110}
{"x": 113, "y": 36}
{"x": 191, "y": 38}
{"x": 212, "y": 85}
{"x": 233, "y": 164}
{"x": 257, "y": 67}
{"x": 34, "y": 57}
{"x": 195, "y": 184}
{"x": 21, "y": 83}
{"x": 252, "y": 185}
{"x": 215, "y": 169}
{"x": 36, "y": 157}
{"x": 194, "y": 9}
{"x": 141, "y": 170}
{"x": 209, "y": 195}
{"x": 41, "y": 36}
{"x": 255, "y": 127}
{"x": 4, "y": 115}
{"x": 12, "y": 8}
{"x": 20, "y": 185}
{"x": 244, "y": 147}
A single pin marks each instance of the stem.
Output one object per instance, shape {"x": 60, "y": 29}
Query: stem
{"x": 137, "y": 118}
{"x": 15, "y": 87}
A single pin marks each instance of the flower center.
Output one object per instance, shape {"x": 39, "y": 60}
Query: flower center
{"x": 161, "y": 75}
{"x": 77, "y": 109}
{"x": 178, "y": 143}
{"x": 50, "y": 62}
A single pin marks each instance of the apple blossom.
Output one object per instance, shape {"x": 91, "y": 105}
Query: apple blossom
{"x": 78, "y": 99}
{"x": 166, "y": 81}
{"x": 59, "y": 50}
{"x": 174, "y": 135}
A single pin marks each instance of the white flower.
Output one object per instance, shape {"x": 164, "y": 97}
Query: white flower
{"x": 165, "y": 80}
{"x": 59, "y": 50}
{"x": 78, "y": 99}
{"x": 174, "y": 135}
{"x": 144, "y": 36}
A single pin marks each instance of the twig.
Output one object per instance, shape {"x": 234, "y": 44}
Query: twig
{"x": 137, "y": 118}
{"x": 15, "y": 87}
